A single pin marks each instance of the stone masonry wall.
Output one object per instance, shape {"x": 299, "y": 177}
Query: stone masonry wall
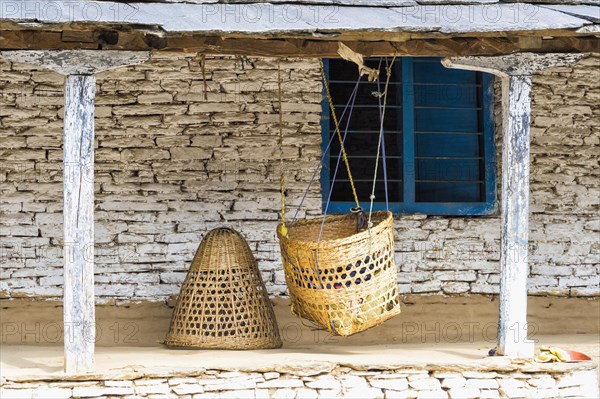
{"x": 172, "y": 164}
{"x": 341, "y": 382}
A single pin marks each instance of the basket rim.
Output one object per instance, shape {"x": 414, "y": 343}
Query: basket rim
{"x": 337, "y": 241}
{"x": 234, "y": 343}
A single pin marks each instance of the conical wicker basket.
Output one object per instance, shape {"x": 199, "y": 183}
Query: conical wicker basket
{"x": 347, "y": 282}
{"x": 223, "y": 302}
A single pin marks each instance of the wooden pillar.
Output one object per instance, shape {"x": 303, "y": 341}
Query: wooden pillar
{"x": 515, "y": 71}
{"x": 514, "y": 269}
{"x": 78, "y": 216}
{"x": 79, "y": 66}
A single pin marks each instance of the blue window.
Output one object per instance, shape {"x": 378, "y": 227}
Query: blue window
{"x": 439, "y": 139}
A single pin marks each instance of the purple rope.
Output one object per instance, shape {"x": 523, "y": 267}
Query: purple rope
{"x": 338, "y": 162}
{"x": 385, "y": 180}
{"x": 352, "y": 95}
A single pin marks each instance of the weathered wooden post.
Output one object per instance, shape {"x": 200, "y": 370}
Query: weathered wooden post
{"x": 78, "y": 219}
{"x": 79, "y": 67}
{"x": 515, "y": 71}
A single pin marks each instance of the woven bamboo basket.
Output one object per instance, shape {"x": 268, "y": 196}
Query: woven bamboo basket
{"x": 347, "y": 282}
{"x": 223, "y": 303}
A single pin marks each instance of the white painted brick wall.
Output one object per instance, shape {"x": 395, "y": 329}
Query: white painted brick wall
{"x": 337, "y": 382}
{"x": 170, "y": 166}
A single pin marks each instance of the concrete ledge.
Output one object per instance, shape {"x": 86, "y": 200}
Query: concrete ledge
{"x": 390, "y": 371}
{"x": 436, "y": 348}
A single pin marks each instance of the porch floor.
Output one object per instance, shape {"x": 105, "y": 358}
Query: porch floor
{"x": 29, "y": 362}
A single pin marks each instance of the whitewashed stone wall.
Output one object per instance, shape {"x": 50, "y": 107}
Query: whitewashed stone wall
{"x": 170, "y": 165}
{"x": 341, "y": 382}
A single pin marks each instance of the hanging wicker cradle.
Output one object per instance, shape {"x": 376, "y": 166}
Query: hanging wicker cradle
{"x": 347, "y": 281}
{"x": 223, "y": 302}
{"x": 340, "y": 270}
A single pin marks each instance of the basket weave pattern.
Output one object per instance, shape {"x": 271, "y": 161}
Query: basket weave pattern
{"x": 347, "y": 282}
{"x": 223, "y": 302}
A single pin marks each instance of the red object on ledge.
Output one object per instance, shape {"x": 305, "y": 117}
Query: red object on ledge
{"x": 575, "y": 356}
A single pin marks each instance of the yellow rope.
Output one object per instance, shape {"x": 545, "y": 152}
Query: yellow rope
{"x": 281, "y": 176}
{"x": 339, "y": 134}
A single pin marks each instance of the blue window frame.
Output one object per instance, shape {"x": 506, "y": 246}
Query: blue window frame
{"x": 439, "y": 139}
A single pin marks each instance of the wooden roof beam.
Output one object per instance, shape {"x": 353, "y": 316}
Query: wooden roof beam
{"x": 104, "y": 39}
